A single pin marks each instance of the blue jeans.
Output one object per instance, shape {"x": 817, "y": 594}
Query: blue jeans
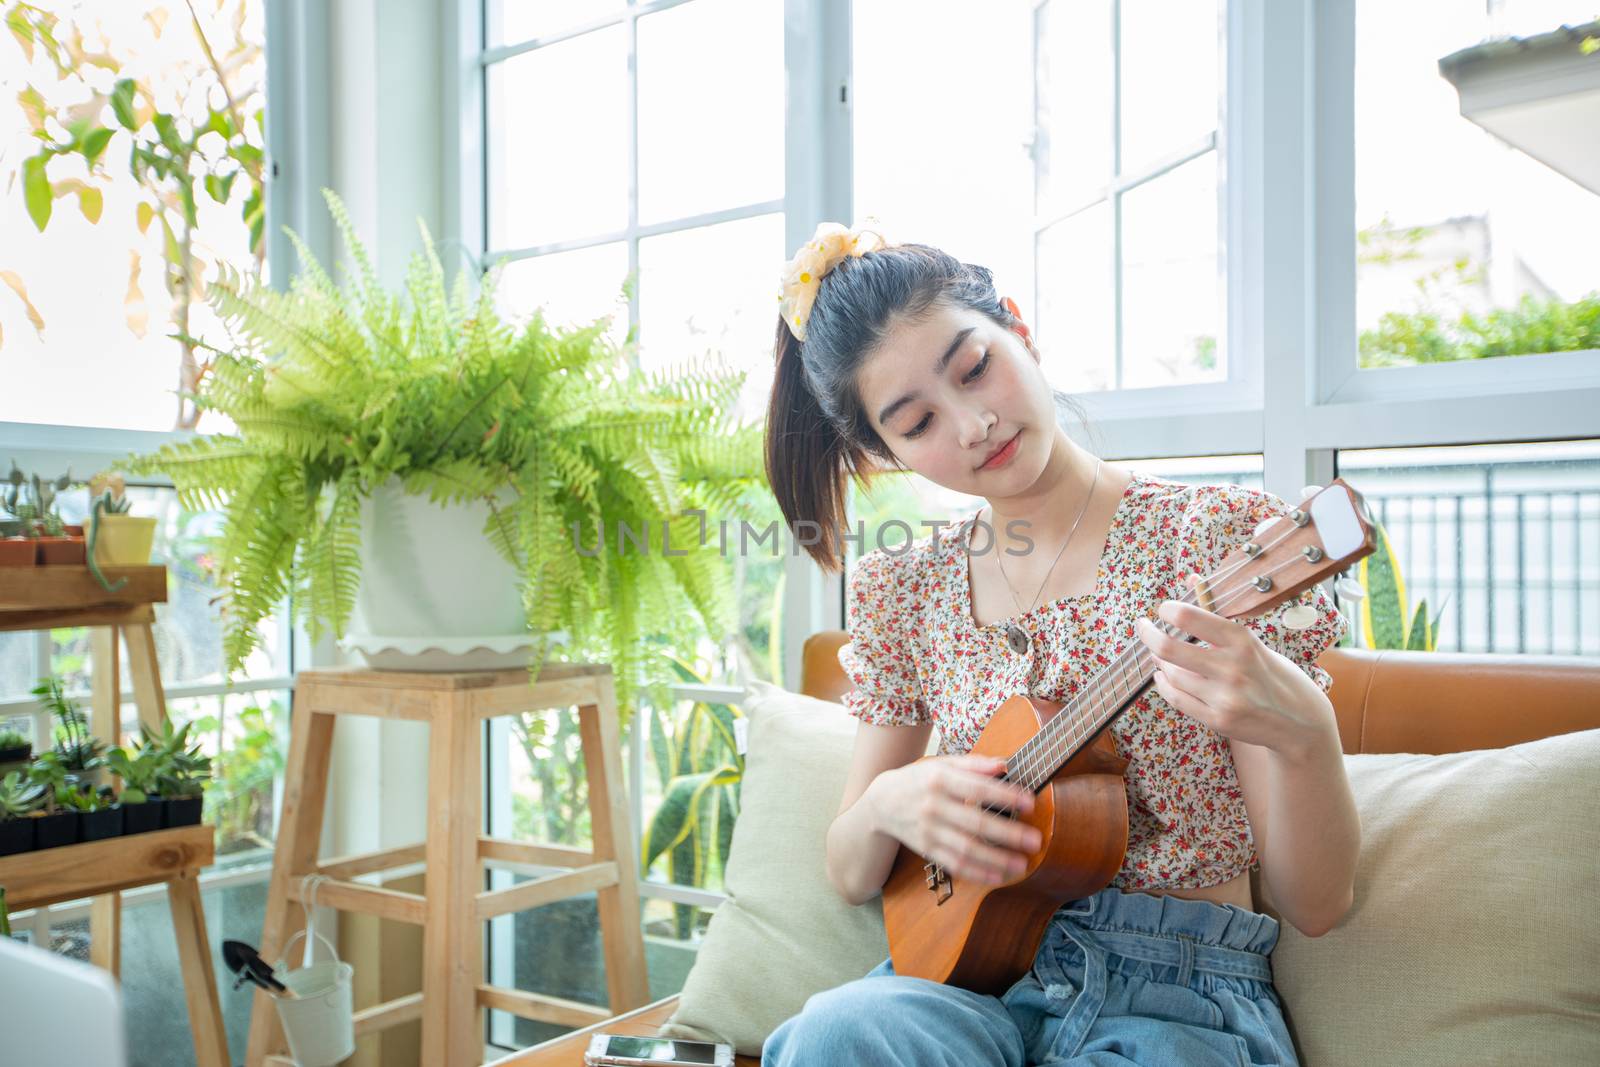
{"x": 1119, "y": 978}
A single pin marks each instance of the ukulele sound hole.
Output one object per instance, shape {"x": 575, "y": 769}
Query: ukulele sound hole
{"x": 938, "y": 882}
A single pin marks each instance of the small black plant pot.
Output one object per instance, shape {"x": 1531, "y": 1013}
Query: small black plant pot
{"x": 52, "y": 831}
{"x": 99, "y": 825}
{"x": 183, "y": 811}
{"x": 16, "y": 835}
{"x": 142, "y": 818}
{"x": 20, "y": 754}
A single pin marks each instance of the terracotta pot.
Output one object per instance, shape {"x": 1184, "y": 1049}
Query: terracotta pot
{"x": 18, "y": 552}
{"x": 62, "y": 550}
{"x": 72, "y": 530}
{"x": 124, "y": 540}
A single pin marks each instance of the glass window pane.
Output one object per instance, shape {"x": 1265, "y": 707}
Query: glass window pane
{"x": 714, "y": 288}
{"x": 246, "y": 773}
{"x": 1072, "y": 153}
{"x": 1245, "y": 470}
{"x": 1077, "y": 302}
{"x": 515, "y": 21}
{"x": 1499, "y": 545}
{"x": 1170, "y": 55}
{"x": 558, "y": 141}
{"x": 105, "y": 355}
{"x": 574, "y": 288}
{"x": 1467, "y": 245}
{"x": 1171, "y": 278}
{"x": 16, "y": 664}
{"x": 707, "y": 68}
{"x": 942, "y": 121}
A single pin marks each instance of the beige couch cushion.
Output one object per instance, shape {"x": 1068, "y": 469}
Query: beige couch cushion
{"x": 1475, "y": 935}
{"x": 783, "y": 932}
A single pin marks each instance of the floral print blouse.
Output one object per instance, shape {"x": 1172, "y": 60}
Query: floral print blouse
{"x": 916, "y": 655}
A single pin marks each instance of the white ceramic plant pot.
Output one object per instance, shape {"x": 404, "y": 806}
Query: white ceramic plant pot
{"x": 435, "y": 595}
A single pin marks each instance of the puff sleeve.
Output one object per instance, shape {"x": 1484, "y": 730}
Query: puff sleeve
{"x": 1220, "y": 518}
{"x": 880, "y": 658}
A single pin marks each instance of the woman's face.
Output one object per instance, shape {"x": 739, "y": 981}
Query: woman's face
{"x": 973, "y": 385}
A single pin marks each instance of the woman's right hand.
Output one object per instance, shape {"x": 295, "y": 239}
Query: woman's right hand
{"x": 935, "y": 806}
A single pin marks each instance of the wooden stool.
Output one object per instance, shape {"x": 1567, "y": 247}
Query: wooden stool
{"x": 454, "y": 903}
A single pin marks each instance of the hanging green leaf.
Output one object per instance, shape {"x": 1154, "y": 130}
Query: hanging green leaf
{"x": 167, "y": 130}
{"x": 95, "y": 143}
{"x": 122, "y": 104}
{"x": 36, "y": 189}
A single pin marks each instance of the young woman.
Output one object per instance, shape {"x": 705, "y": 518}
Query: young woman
{"x": 902, "y": 357}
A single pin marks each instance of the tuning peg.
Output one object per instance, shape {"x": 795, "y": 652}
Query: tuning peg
{"x": 1309, "y": 491}
{"x": 1349, "y": 588}
{"x": 1299, "y": 617}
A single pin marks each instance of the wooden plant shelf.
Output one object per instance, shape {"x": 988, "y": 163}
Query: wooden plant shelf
{"x": 51, "y": 875}
{"x": 59, "y": 587}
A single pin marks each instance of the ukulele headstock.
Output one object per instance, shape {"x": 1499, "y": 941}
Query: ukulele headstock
{"x": 1324, "y": 534}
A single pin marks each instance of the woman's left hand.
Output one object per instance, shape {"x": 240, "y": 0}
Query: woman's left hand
{"x": 1237, "y": 686}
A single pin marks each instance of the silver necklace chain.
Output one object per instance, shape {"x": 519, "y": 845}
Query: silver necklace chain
{"x": 1020, "y": 641}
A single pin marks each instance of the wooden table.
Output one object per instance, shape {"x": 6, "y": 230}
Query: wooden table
{"x": 48, "y": 597}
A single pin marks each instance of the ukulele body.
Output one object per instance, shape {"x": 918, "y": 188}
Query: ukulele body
{"x": 983, "y": 937}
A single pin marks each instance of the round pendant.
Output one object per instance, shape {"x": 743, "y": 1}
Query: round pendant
{"x": 1017, "y": 639}
{"x": 1299, "y": 617}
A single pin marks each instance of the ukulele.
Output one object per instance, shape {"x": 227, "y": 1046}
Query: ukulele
{"x": 983, "y": 937}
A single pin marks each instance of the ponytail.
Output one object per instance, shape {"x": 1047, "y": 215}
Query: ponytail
{"x": 807, "y": 457}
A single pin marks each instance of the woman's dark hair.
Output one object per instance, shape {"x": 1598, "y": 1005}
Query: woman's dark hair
{"x": 818, "y": 434}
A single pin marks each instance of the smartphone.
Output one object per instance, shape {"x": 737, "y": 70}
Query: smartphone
{"x": 655, "y": 1052}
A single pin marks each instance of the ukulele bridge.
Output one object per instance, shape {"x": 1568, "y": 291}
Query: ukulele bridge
{"x": 938, "y": 882}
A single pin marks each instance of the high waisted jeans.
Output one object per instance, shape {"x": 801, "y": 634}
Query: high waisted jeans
{"x": 1120, "y": 978}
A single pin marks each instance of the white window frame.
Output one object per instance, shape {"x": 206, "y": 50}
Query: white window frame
{"x": 1240, "y": 391}
{"x": 1536, "y": 395}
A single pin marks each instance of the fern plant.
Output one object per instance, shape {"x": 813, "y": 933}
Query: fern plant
{"x": 335, "y": 390}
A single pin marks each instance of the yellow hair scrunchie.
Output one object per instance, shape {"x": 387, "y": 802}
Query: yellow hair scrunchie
{"x": 802, "y": 276}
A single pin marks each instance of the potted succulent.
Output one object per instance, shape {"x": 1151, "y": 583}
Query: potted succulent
{"x": 19, "y": 798}
{"x": 14, "y": 748}
{"x": 54, "y": 823}
{"x": 32, "y": 500}
{"x": 371, "y": 424}
{"x": 16, "y": 548}
{"x": 143, "y": 807}
{"x": 80, "y": 753}
{"x": 99, "y": 814}
{"x": 182, "y": 772}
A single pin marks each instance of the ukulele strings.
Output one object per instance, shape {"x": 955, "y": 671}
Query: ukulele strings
{"x": 1034, "y": 757}
{"x": 1031, "y": 759}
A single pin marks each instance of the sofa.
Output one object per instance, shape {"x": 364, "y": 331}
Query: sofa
{"x": 1386, "y": 702}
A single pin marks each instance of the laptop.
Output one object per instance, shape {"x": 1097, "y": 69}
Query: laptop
{"x": 59, "y": 1011}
